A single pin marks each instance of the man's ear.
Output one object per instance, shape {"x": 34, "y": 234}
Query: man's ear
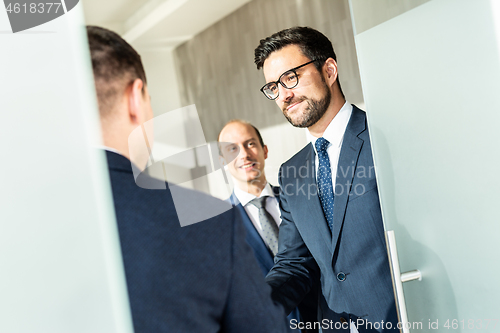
{"x": 330, "y": 67}
{"x": 265, "y": 152}
{"x": 135, "y": 91}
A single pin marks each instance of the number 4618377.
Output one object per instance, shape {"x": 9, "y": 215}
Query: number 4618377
{"x": 33, "y": 7}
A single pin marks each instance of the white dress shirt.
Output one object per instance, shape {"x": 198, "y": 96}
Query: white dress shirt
{"x": 334, "y": 133}
{"x": 272, "y": 206}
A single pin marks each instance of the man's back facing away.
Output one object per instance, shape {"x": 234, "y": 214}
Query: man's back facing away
{"x": 199, "y": 278}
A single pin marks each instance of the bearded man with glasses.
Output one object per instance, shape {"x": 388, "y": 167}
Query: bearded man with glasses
{"x": 331, "y": 229}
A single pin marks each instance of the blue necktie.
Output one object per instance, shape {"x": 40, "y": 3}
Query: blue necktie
{"x": 325, "y": 187}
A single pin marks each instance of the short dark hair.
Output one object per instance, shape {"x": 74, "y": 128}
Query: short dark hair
{"x": 261, "y": 141}
{"x": 311, "y": 42}
{"x": 115, "y": 64}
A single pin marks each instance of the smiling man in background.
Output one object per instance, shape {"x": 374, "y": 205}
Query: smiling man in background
{"x": 258, "y": 202}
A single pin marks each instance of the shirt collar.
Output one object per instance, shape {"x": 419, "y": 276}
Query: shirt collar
{"x": 113, "y": 150}
{"x": 334, "y": 133}
{"x": 244, "y": 197}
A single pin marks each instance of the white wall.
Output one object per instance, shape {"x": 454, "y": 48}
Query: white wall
{"x": 162, "y": 79}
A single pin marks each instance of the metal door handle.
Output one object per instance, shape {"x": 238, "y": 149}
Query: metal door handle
{"x": 399, "y": 279}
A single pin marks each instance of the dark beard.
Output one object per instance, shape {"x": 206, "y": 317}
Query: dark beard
{"x": 314, "y": 111}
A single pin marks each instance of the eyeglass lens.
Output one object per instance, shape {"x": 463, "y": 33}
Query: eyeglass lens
{"x": 288, "y": 80}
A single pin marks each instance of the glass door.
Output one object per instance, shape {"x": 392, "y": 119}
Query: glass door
{"x": 430, "y": 73}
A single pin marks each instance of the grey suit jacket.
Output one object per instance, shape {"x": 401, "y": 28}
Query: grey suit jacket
{"x": 352, "y": 260}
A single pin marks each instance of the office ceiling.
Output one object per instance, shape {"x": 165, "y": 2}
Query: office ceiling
{"x": 150, "y": 24}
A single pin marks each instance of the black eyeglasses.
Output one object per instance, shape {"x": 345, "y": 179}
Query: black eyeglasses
{"x": 288, "y": 80}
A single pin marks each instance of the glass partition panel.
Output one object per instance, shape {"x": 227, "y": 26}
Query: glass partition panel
{"x": 61, "y": 266}
{"x": 431, "y": 78}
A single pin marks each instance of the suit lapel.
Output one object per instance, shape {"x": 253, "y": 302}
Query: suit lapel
{"x": 262, "y": 253}
{"x": 348, "y": 159}
{"x": 314, "y": 210}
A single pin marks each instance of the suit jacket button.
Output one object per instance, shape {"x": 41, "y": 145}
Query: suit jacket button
{"x": 341, "y": 276}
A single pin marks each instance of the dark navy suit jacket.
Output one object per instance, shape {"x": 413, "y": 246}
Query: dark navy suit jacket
{"x": 352, "y": 260}
{"x": 198, "y": 278}
{"x": 308, "y": 308}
